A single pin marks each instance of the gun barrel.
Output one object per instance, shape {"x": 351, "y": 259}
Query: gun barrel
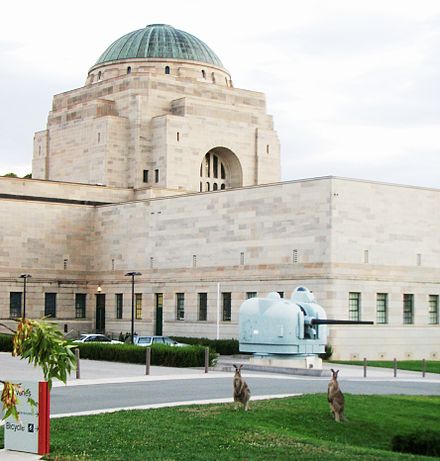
{"x": 340, "y": 322}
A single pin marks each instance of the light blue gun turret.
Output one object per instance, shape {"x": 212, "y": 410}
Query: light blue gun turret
{"x": 274, "y": 325}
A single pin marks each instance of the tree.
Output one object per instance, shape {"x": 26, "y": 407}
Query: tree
{"x": 10, "y": 175}
{"x": 42, "y": 344}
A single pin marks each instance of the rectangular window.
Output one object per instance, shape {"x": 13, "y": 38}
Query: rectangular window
{"x": 354, "y": 306}
{"x": 80, "y": 305}
{"x": 226, "y": 298}
{"x": 156, "y": 175}
{"x": 382, "y": 308}
{"x": 50, "y": 304}
{"x": 215, "y": 166}
{"x": 180, "y": 306}
{"x": 145, "y": 176}
{"x": 366, "y": 257}
{"x": 251, "y": 294}
{"x": 433, "y": 309}
{"x": 203, "y": 306}
{"x": 15, "y": 304}
{"x": 138, "y": 306}
{"x": 408, "y": 309}
{"x": 119, "y": 299}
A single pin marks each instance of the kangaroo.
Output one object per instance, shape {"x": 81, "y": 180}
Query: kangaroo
{"x": 336, "y": 397}
{"x": 242, "y": 392}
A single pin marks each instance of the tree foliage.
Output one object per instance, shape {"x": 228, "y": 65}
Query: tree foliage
{"x": 42, "y": 344}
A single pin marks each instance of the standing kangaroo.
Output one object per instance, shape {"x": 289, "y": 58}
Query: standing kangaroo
{"x": 336, "y": 397}
{"x": 242, "y": 392}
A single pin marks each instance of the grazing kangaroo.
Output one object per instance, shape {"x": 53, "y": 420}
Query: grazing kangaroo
{"x": 242, "y": 392}
{"x": 336, "y": 397}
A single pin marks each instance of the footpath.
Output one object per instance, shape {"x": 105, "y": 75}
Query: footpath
{"x": 96, "y": 372}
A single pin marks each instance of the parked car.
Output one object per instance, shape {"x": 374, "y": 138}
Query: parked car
{"x": 96, "y": 338}
{"x": 150, "y": 340}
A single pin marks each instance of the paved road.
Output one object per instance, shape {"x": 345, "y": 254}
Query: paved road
{"x": 107, "y": 385}
{"x": 73, "y": 399}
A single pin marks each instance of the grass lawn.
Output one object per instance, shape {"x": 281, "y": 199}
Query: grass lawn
{"x": 287, "y": 429}
{"x": 432, "y": 366}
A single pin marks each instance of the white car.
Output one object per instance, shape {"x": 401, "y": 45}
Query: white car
{"x": 150, "y": 340}
{"x": 96, "y": 338}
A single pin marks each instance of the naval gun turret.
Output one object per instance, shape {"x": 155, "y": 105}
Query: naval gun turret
{"x": 286, "y": 328}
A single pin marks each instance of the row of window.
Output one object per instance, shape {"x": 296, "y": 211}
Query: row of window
{"x": 50, "y": 304}
{"x": 167, "y": 71}
{"x": 354, "y": 308}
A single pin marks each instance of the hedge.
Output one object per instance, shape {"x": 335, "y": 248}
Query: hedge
{"x": 161, "y": 354}
{"x": 5, "y": 343}
{"x": 424, "y": 442}
{"x": 221, "y": 346}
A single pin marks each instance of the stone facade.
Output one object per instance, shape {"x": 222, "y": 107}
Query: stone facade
{"x": 256, "y": 239}
{"x": 129, "y": 176}
{"x": 111, "y": 131}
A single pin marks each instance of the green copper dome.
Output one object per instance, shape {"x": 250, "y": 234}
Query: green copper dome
{"x": 160, "y": 41}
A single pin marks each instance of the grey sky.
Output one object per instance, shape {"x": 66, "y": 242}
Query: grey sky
{"x": 353, "y": 85}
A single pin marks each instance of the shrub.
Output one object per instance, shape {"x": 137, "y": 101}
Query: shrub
{"x": 161, "y": 354}
{"x": 221, "y": 346}
{"x": 424, "y": 442}
{"x": 328, "y": 352}
{"x": 5, "y": 343}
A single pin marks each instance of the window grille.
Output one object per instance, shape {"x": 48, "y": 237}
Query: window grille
{"x": 354, "y": 306}
{"x": 80, "y": 305}
{"x": 382, "y": 308}
{"x": 408, "y": 309}
{"x": 180, "y": 306}
{"x": 433, "y": 309}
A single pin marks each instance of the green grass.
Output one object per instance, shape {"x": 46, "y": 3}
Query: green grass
{"x": 432, "y": 366}
{"x": 288, "y": 429}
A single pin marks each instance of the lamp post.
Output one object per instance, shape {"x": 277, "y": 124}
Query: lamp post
{"x": 132, "y": 275}
{"x": 24, "y": 277}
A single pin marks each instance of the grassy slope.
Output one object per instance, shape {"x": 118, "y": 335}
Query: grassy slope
{"x": 295, "y": 428}
{"x": 432, "y": 366}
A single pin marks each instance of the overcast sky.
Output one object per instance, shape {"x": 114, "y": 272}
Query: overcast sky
{"x": 353, "y": 86}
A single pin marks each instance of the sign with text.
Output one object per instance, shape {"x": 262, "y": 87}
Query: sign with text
{"x": 31, "y": 432}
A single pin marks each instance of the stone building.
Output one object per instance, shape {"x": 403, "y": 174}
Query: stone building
{"x": 159, "y": 165}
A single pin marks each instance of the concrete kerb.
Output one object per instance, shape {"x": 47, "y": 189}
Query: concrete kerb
{"x": 8, "y": 455}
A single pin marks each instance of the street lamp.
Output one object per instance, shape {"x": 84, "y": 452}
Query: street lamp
{"x": 132, "y": 275}
{"x": 24, "y": 277}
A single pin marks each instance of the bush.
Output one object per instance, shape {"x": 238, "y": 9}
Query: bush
{"x": 221, "y": 346}
{"x": 161, "y": 354}
{"x": 424, "y": 442}
{"x": 5, "y": 343}
{"x": 328, "y": 352}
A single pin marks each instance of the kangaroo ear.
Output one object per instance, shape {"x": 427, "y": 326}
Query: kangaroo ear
{"x": 241, "y": 366}
{"x": 235, "y": 366}
{"x": 331, "y": 369}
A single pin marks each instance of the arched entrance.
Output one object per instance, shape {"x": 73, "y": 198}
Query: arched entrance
{"x": 220, "y": 169}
